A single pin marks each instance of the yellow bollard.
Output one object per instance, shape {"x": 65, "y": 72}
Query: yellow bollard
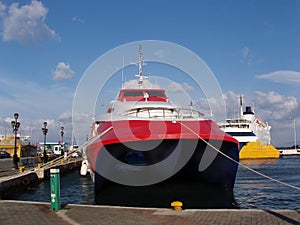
{"x": 39, "y": 165}
{"x": 177, "y": 205}
{"x": 22, "y": 169}
{"x": 51, "y": 163}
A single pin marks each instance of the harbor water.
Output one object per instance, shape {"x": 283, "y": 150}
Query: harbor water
{"x": 252, "y": 191}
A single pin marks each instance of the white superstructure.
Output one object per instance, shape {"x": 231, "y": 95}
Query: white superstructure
{"x": 247, "y": 128}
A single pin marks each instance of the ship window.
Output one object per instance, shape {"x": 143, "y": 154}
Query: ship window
{"x": 156, "y": 93}
{"x": 133, "y": 93}
{"x": 241, "y": 133}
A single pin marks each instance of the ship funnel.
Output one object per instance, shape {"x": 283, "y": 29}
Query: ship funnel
{"x": 248, "y": 114}
{"x": 248, "y": 111}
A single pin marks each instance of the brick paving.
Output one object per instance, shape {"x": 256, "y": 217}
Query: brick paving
{"x": 30, "y": 213}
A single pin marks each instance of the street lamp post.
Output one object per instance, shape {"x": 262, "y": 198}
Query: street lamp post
{"x": 62, "y": 134}
{"x": 15, "y": 126}
{"x": 62, "y": 139}
{"x": 45, "y": 130}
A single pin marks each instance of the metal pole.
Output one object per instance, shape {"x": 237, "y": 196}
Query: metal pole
{"x": 45, "y": 130}
{"x": 45, "y": 153}
{"x": 15, "y": 156}
{"x": 62, "y": 142}
{"x": 295, "y": 135}
{"x": 15, "y": 125}
{"x": 62, "y": 134}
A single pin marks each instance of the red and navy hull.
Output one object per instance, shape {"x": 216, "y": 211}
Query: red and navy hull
{"x": 126, "y": 142}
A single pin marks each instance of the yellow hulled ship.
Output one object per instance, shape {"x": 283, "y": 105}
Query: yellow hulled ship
{"x": 252, "y": 133}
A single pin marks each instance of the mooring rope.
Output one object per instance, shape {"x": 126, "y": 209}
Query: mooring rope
{"x": 239, "y": 163}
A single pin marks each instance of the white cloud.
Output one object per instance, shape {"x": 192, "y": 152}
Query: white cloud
{"x": 278, "y": 110}
{"x": 187, "y": 87}
{"x": 232, "y": 101}
{"x": 249, "y": 58}
{"x": 274, "y": 106}
{"x": 268, "y": 106}
{"x": 77, "y": 19}
{"x": 282, "y": 76}
{"x": 2, "y": 9}
{"x": 66, "y": 116}
{"x": 31, "y": 99}
{"x": 26, "y": 23}
{"x": 35, "y": 104}
{"x": 245, "y": 52}
{"x": 160, "y": 54}
{"x": 63, "y": 71}
{"x": 176, "y": 87}
{"x": 213, "y": 107}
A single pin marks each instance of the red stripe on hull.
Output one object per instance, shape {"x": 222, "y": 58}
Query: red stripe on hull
{"x": 141, "y": 130}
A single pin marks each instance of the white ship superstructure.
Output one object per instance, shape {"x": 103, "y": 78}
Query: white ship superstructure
{"x": 247, "y": 128}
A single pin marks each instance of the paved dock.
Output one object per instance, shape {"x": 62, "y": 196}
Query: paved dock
{"x": 7, "y": 168}
{"x": 31, "y": 213}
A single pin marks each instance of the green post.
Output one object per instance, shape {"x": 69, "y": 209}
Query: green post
{"x": 55, "y": 189}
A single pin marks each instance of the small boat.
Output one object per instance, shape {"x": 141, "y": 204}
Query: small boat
{"x": 252, "y": 133}
{"x": 146, "y": 146}
{"x": 289, "y": 151}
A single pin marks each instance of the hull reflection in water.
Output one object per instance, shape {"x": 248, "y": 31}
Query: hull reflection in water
{"x": 191, "y": 194}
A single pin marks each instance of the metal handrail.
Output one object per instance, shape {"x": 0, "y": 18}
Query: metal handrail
{"x": 178, "y": 111}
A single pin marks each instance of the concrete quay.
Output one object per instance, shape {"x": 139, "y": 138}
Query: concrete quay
{"x": 31, "y": 213}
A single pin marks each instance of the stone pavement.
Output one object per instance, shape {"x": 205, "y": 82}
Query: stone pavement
{"x": 7, "y": 168}
{"x": 31, "y": 213}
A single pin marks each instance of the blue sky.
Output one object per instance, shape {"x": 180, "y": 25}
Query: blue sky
{"x": 253, "y": 48}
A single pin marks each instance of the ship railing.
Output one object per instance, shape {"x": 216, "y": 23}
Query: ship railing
{"x": 164, "y": 113}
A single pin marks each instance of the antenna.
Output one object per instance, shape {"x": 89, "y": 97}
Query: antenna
{"x": 140, "y": 83}
{"x": 140, "y": 64}
{"x": 241, "y": 105}
{"x": 123, "y": 74}
{"x": 253, "y": 107}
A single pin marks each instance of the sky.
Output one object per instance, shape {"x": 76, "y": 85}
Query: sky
{"x": 251, "y": 46}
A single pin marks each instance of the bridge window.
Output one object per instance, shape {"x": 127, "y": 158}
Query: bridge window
{"x": 241, "y": 133}
{"x": 133, "y": 93}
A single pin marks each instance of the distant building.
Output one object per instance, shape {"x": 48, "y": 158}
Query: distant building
{"x": 24, "y": 149}
{"x": 2, "y": 137}
{"x": 52, "y": 147}
{"x": 26, "y": 139}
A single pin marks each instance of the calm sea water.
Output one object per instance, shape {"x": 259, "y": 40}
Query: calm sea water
{"x": 254, "y": 191}
{"x": 251, "y": 190}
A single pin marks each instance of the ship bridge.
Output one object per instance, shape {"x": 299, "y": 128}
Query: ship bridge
{"x": 152, "y": 95}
